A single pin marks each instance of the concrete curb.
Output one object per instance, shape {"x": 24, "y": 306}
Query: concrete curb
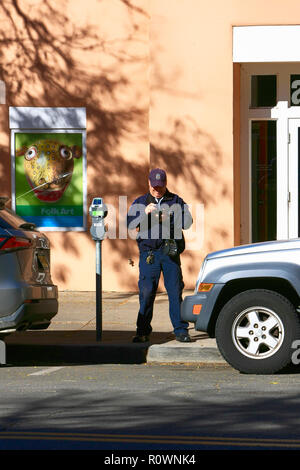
{"x": 174, "y": 352}
{"x": 74, "y": 348}
{"x": 38, "y": 354}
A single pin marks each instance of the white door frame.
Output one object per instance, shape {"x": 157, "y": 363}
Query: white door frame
{"x": 294, "y": 125}
{"x": 282, "y": 113}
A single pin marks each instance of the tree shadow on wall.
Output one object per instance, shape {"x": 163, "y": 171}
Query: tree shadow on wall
{"x": 47, "y": 59}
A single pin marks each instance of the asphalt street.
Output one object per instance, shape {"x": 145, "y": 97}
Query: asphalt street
{"x": 147, "y": 407}
{"x": 63, "y": 390}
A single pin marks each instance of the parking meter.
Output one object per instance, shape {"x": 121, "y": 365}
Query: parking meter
{"x": 98, "y": 212}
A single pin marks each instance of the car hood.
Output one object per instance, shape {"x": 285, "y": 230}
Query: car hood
{"x": 257, "y": 248}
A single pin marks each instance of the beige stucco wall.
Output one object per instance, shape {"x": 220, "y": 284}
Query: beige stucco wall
{"x": 191, "y": 115}
{"x": 194, "y": 111}
{"x": 156, "y": 78}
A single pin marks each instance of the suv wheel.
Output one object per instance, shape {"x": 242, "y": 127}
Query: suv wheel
{"x": 255, "y": 331}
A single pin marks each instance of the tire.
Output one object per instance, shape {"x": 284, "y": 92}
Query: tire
{"x": 255, "y": 331}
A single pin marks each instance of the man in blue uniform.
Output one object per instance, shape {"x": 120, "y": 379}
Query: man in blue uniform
{"x": 159, "y": 217}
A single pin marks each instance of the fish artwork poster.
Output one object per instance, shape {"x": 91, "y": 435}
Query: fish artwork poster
{"x": 49, "y": 186}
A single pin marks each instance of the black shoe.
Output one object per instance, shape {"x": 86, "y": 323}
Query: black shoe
{"x": 183, "y": 338}
{"x": 140, "y": 339}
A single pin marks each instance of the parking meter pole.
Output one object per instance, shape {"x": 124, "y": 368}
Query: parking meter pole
{"x": 98, "y": 212}
{"x": 98, "y": 291}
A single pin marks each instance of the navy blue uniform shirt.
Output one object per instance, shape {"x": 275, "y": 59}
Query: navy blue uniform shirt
{"x": 151, "y": 231}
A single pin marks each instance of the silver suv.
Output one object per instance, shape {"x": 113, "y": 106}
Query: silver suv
{"x": 248, "y": 298}
{"x": 28, "y": 298}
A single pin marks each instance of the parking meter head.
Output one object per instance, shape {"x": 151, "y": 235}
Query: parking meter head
{"x": 98, "y": 208}
{"x": 98, "y": 211}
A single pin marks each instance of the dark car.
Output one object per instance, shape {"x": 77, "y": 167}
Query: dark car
{"x": 28, "y": 298}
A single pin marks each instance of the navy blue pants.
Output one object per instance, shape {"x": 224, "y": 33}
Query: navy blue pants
{"x": 148, "y": 282}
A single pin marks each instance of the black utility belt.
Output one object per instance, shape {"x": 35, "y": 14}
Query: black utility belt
{"x": 169, "y": 247}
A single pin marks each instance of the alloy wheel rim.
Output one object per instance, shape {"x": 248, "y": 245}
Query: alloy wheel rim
{"x": 258, "y": 332}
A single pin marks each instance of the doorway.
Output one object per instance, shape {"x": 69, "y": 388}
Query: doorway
{"x": 269, "y": 156}
{"x": 294, "y": 178}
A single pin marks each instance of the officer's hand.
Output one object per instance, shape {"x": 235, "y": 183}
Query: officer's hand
{"x": 150, "y": 208}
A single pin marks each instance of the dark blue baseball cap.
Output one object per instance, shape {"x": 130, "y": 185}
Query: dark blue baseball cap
{"x": 157, "y": 177}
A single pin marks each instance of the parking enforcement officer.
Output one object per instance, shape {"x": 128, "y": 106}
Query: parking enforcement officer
{"x": 159, "y": 217}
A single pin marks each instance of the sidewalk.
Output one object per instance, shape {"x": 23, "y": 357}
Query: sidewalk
{"x": 71, "y": 337}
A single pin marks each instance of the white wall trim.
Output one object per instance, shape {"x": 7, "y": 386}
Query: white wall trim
{"x": 266, "y": 43}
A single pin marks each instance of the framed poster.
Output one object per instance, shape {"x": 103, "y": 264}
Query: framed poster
{"x": 49, "y": 177}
